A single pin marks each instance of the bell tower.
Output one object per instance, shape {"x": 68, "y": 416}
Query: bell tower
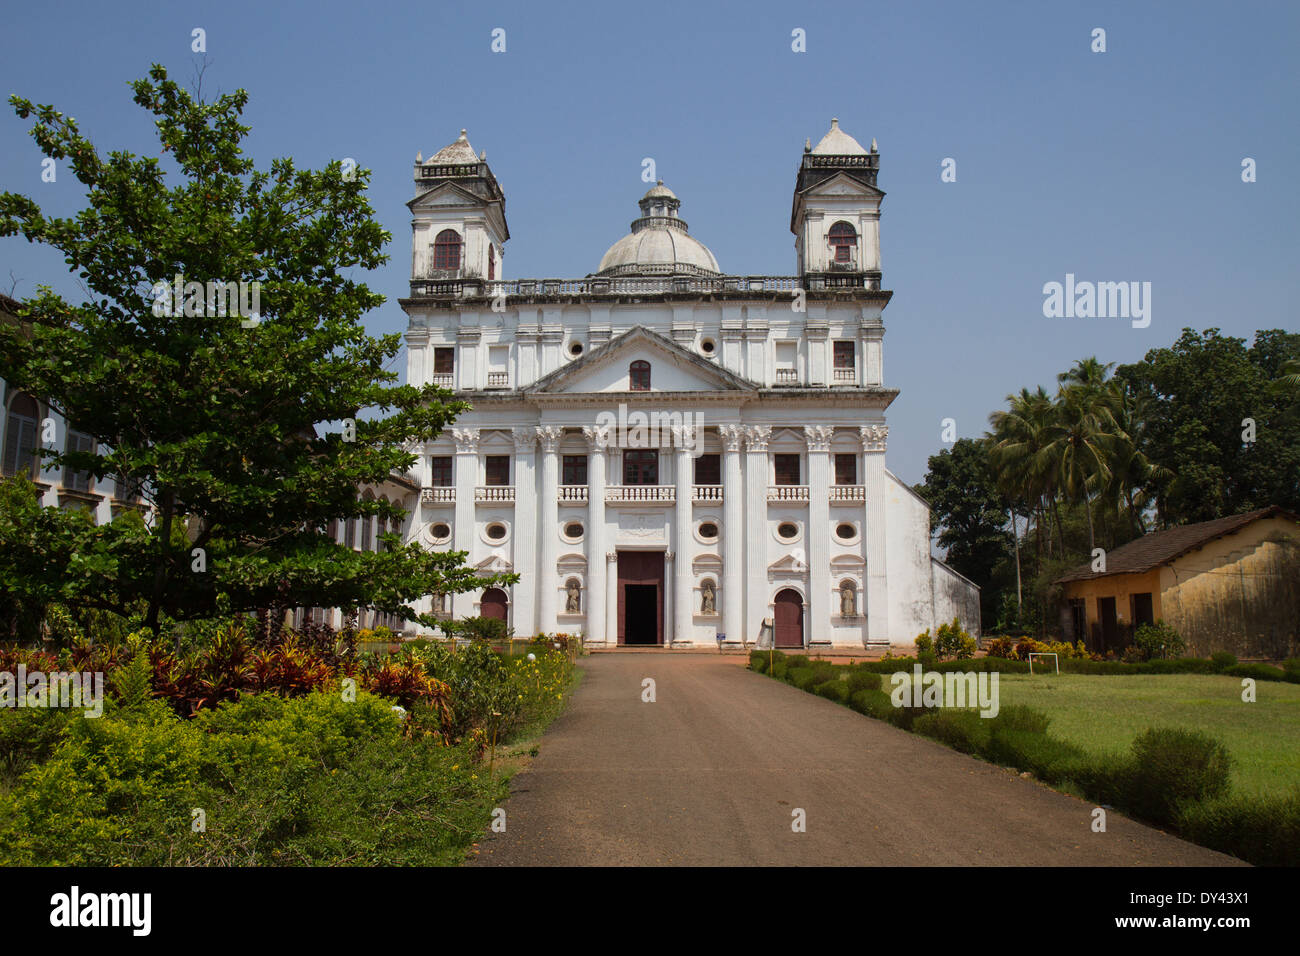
{"x": 458, "y": 215}
{"x": 835, "y": 217}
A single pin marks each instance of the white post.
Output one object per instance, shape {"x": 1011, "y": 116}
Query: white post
{"x": 524, "y": 549}
{"x": 876, "y": 482}
{"x": 683, "y": 510}
{"x": 466, "y": 478}
{"x": 756, "y": 481}
{"x": 819, "y": 531}
{"x": 597, "y": 438}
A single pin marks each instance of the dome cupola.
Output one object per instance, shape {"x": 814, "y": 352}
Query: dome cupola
{"x": 659, "y": 243}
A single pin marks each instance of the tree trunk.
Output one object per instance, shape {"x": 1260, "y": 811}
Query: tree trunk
{"x": 160, "y": 572}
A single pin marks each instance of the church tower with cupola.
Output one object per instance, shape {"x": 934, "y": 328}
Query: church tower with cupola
{"x": 458, "y": 217}
{"x": 836, "y": 213}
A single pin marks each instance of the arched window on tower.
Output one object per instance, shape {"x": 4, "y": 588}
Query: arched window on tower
{"x": 492, "y": 262}
{"x": 638, "y": 374}
{"x": 843, "y": 239}
{"x": 446, "y": 250}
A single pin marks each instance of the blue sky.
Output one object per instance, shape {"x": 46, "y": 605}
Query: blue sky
{"x": 1115, "y": 166}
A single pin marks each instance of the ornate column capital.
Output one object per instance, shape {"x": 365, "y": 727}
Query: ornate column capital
{"x": 611, "y": 557}
{"x": 874, "y": 437}
{"x": 683, "y": 437}
{"x": 549, "y": 436}
{"x": 668, "y": 557}
{"x": 756, "y": 437}
{"x": 466, "y": 440}
{"x": 732, "y": 436}
{"x": 818, "y": 437}
{"x": 525, "y": 439}
{"x": 598, "y": 437}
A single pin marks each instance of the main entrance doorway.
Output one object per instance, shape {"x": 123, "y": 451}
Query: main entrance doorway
{"x": 788, "y": 614}
{"x": 640, "y": 597}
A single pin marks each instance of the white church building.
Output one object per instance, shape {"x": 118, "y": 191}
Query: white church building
{"x": 668, "y": 453}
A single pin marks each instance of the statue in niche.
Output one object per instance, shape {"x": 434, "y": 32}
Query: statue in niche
{"x": 573, "y": 597}
{"x": 708, "y": 598}
{"x": 848, "y": 602}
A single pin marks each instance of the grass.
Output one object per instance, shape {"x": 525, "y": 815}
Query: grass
{"x": 1100, "y": 714}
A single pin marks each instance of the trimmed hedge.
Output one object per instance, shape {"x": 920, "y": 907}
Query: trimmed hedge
{"x": 1172, "y": 767}
{"x": 872, "y": 703}
{"x": 861, "y": 679}
{"x": 1263, "y": 830}
{"x": 836, "y": 690}
{"x": 963, "y": 730}
{"x": 1043, "y": 755}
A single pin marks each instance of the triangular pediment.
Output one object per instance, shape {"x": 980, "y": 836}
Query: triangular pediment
{"x": 447, "y": 194}
{"x": 788, "y": 564}
{"x": 494, "y": 564}
{"x": 841, "y": 185}
{"x": 672, "y": 369}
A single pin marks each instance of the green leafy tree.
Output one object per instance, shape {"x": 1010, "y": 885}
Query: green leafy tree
{"x": 222, "y": 418}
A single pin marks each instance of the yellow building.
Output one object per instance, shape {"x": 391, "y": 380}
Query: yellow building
{"x": 1231, "y": 584}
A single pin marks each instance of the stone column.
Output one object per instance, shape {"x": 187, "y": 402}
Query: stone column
{"x": 733, "y": 536}
{"x": 597, "y": 439}
{"x": 611, "y": 597}
{"x": 756, "y": 550}
{"x": 668, "y": 597}
{"x": 876, "y": 482}
{"x": 819, "y": 531}
{"x": 683, "y": 514}
{"x": 548, "y": 529}
{"x": 464, "y": 527}
{"x": 873, "y": 362}
{"x": 525, "y": 531}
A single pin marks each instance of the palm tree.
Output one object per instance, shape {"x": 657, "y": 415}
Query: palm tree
{"x": 1082, "y": 440}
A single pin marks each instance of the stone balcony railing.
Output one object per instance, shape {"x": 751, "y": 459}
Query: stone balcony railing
{"x": 849, "y": 375}
{"x": 443, "y": 379}
{"x": 661, "y": 494}
{"x": 423, "y": 285}
{"x": 787, "y": 493}
{"x": 848, "y": 493}
{"x": 572, "y": 494}
{"x": 498, "y": 379}
{"x": 494, "y": 493}
{"x": 438, "y": 495}
{"x": 787, "y": 376}
{"x": 706, "y": 492}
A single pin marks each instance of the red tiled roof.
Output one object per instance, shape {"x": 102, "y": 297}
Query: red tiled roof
{"x": 1161, "y": 547}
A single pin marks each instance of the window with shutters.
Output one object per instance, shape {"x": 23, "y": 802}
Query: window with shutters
{"x": 444, "y": 360}
{"x": 21, "y": 432}
{"x": 575, "y": 470}
{"x": 786, "y": 468}
{"x": 708, "y": 470}
{"x": 641, "y": 466}
{"x": 844, "y": 355}
{"x": 843, "y": 239}
{"x": 846, "y": 469}
{"x": 78, "y": 480}
{"x": 440, "y": 468}
{"x": 497, "y": 470}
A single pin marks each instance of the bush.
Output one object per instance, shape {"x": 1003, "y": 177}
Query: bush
{"x": 836, "y": 690}
{"x": 872, "y": 703}
{"x": 860, "y": 679}
{"x": 1046, "y": 757}
{"x": 1257, "y": 671}
{"x": 805, "y": 678}
{"x": 1158, "y": 640}
{"x": 1264, "y": 830}
{"x": 1222, "y": 660}
{"x": 1003, "y": 647}
{"x": 1172, "y": 767}
{"x": 1020, "y": 717}
{"x": 960, "y": 729}
{"x": 952, "y": 642}
{"x": 758, "y": 661}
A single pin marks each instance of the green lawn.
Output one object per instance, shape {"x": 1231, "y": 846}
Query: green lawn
{"x": 1106, "y": 713}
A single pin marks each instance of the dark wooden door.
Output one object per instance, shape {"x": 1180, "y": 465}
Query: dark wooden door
{"x": 493, "y": 604}
{"x": 1109, "y": 623}
{"x": 789, "y": 619}
{"x": 640, "y": 597}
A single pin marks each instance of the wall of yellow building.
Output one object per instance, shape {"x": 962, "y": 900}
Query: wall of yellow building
{"x": 1119, "y": 586}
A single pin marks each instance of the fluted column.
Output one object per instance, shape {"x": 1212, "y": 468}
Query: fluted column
{"x": 733, "y": 534}
{"x": 756, "y": 481}
{"x": 876, "y": 482}
{"x": 611, "y": 597}
{"x": 597, "y": 439}
{"x": 683, "y": 512}
{"x": 819, "y": 531}
{"x": 466, "y": 479}
{"x": 548, "y": 529}
{"x": 525, "y": 531}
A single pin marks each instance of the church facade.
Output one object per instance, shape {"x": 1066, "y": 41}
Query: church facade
{"x": 668, "y": 453}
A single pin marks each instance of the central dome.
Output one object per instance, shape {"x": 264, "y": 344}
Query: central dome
{"x": 659, "y": 244}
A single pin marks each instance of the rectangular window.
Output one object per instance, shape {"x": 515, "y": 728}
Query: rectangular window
{"x": 444, "y": 360}
{"x": 441, "y": 471}
{"x": 786, "y": 469}
{"x": 846, "y": 469}
{"x": 497, "y": 470}
{"x": 641, "y": 467}
{"x": 78, "y": 480}
{"x": 844, "y": 352}
{"x": 708, "y": 470}
{"x": 20, "y": 445}
{"x": 1143, "y": 610}
{"x": 575, "y": 470}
